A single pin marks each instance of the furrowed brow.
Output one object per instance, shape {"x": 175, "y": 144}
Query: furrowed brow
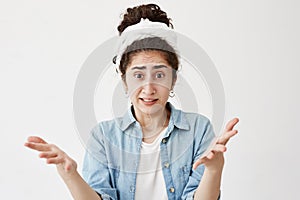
{"x": 138, "y": 67}
{"x": 159, "y": 66}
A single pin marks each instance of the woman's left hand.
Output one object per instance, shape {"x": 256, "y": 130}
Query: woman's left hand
{"x": 214, "y": 160}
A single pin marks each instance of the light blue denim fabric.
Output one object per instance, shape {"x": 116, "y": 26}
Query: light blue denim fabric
{"x": 112, "y": 156}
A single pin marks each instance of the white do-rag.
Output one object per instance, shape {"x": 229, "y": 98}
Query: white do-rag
{"x": 145, "y": 29}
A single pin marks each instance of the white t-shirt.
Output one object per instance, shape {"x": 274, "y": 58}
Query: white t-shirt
{"x": 150, "y": 183}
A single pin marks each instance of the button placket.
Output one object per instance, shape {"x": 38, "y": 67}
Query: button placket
{"x": 138, "y": 145}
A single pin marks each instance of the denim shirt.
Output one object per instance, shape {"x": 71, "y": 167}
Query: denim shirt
{"x": 112, "y": 156}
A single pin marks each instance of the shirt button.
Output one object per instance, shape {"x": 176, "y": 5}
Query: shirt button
{"x": 164, "y": 141}
{"x": 138, "y": 145}
{"x": 166, "y": 165}
{"x": 131, "y": 188}
{"x": 172, "y": 190}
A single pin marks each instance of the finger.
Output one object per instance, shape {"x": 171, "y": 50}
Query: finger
{"x": 199, "y": 162}
{"x": 218, "y": 148}
{"x": 210, "y": 155}
{"x": 36, "y": 139}
{"x": 37, "y": 146}
{"x": 226, "y": 136}
{"x": 48, "y": 154}
{"x": 231, "y": 124}
{"x": 56, "y": 160}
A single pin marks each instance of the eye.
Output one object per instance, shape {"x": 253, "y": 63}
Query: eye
{"x": 159, "y": 75}
{"x": 138, "y": 75}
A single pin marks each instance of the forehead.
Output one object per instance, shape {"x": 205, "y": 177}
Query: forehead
{"x": 145, "y": 57}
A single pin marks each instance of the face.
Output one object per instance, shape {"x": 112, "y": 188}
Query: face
{"x": 148, "y": 82}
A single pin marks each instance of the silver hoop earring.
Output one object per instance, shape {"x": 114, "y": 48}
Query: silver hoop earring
{"x": 172, "y": 94}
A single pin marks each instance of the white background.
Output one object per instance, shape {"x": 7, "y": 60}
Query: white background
{"x": 254, "y": 44}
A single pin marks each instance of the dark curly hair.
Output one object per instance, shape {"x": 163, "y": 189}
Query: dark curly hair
{"x": 152, "y": 12}
{"x": 148, "y": 11}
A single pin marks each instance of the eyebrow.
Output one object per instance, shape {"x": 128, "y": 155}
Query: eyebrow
{"x": 159, "y": 66}
{"x": 144, "y": 67}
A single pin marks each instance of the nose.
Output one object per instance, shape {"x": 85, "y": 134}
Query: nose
{"x": 148, "y": 89}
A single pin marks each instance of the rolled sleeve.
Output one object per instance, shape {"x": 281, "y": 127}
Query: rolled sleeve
{"x": 201, "y": 144}
{"x": 95, "y": 167}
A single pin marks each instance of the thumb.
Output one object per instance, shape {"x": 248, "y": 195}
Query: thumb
{"x": 199, "y": 162}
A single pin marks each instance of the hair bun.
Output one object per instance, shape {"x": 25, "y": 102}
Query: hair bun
{"x": 147, "y": 11}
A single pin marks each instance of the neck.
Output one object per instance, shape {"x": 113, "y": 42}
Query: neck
{"x": 153, "y": 124}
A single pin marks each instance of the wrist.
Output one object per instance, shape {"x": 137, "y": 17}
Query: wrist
{"x": 67, "y": 175}
{"x": 70, "y": 177}
{"x": 213, "y": 171}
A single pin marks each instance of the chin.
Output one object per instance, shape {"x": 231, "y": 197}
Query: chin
{"x": 152, "y": 109}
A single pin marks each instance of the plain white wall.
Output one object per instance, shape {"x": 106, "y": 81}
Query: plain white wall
{"x": 254, "y": 44}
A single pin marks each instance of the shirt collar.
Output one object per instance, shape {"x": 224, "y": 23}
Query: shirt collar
{"x": 177, "y": 118}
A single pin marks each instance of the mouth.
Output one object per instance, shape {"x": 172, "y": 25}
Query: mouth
{"x": 148, "y": 101}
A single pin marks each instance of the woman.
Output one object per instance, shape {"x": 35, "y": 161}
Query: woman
{"x": 154, "y": 151}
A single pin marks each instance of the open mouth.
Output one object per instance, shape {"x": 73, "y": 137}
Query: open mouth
{"x": 148, "y": 101}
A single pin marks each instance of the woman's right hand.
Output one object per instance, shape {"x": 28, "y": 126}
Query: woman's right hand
{"x": 66, "y": 166}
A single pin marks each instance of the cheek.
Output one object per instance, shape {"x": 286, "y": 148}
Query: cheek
{"x": 133, "y": 92}
{"x": 163, "y": 92}
{"x": 166, "y": 94}
{"x": 167, "y": 84}
{"x": 133, "y": 87}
